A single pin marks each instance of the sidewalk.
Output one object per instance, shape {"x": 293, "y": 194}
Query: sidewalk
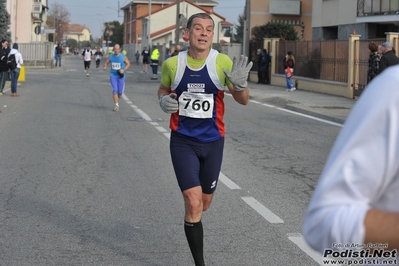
{"x": 324, "y": 106}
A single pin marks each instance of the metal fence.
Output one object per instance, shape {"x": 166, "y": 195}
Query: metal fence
{"x": 37, "y": 55}
{"x": 325, "y": 60}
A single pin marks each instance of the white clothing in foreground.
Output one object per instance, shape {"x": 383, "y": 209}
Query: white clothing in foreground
{"x": 362, "y": 169}
{"x": 18, "y": 57}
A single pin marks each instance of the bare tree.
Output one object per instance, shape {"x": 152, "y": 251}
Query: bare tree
{"x": 59, "y": 19}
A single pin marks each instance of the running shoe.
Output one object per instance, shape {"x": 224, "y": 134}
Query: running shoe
{"x": 116, "y": 108}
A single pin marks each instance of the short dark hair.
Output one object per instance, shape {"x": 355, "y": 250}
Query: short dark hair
{"x": 199, "y": 15}
{"x": 373, "y": 47}
{"x": 3, "y": 41}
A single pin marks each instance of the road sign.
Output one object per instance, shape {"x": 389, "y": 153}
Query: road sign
{"x": 38, "y": 29}
{"x": 48, "y": 31}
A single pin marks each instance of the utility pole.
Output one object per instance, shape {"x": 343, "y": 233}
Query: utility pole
{"x": 245, "y": 39}
{"x": 177, "y": 32}
{"x": 149, "y": 25}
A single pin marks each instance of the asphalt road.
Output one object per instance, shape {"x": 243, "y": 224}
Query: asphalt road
{"x": 83, "y": 185}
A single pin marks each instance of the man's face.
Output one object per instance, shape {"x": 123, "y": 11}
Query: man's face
{"x": 117, "y": 49}
{"x": 5, "y": 44}
{"x": 201, "y": 34}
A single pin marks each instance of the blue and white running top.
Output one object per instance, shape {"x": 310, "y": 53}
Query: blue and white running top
{"x": 116, "y": 63}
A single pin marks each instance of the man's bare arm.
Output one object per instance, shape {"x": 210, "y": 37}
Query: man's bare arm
{"x": 382, "y": 227}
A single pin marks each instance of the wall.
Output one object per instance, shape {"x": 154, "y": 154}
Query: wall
{"x": 260, "y": 15}
{"x": 334, "y": 12}
{"x": 347, "y": 89}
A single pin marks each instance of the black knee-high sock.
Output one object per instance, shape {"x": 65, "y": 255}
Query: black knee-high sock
{"x": 195, "y": 237}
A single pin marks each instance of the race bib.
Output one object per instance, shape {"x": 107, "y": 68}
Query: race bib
{"x": 116, "y": 66}
{"x": 196, "y": 105}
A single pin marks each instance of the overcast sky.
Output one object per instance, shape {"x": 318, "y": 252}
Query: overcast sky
{"x": 92, "y": 13}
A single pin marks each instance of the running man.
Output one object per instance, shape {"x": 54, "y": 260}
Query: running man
{"x": 192, "y": 91}
{"x": 97, "y": 56}
{"x": 119, "y": 64}
{"x": 87, "y": 56}
{"x": 146, "y": 56}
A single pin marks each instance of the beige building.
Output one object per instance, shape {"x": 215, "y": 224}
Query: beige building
{"x": 26, "y": 16}
{"x": 162, "y": 25}
{"x": 78, "y": 32}
{"x": 338, "y": 19}
{"x": 295, "y": 12}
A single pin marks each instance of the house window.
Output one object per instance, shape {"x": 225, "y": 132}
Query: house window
{"x": 380, "y": 6}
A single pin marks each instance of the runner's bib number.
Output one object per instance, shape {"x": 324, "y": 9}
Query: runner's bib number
{"x": 116, "y": 66}
{"x": 196, "y": 105}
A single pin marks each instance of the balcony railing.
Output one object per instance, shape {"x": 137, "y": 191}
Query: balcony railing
{"x": 377, "y": 7}
{"x": 37, "y": 8}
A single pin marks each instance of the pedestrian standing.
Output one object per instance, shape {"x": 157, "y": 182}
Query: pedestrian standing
{"x": 374, "y": 62}
{"x": 388, "y": 57}
{"x": 87, "y": 56}
{"x": 289, "y": 64}
{"x": 15, "y": 62}
{"x": 356, "y": 199}
{"x": 146, "y": 56}
{"x": 154, "y": 63}
{"x": 192, "y": 91}
{"x": 4, "y": 51}
{"x": 137, "y": 54}
{"x": 265, "y": 66}
{"x": 58, "y": 55}
{"x": 176, "y": 51}
{"x": 168, "y": 54}
{"x": 119, "y": 64}
{"x": 259, "y": 63}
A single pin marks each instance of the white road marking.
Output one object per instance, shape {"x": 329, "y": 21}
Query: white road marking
{"x": 167, "y": 135}
{"x": 161, "y": 129}
{"x": 228, "y": 183}
{"x": 298, "y": 240}
{"x": 311, "y": 117}
{"x": 262, "y": 210}
{"x": 268, "y": 215}
{"x": 295, "y": 113}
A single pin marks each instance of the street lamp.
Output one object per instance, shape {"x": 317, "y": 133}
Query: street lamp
{"x": 102, "y": 30}
{"x": 115, "y": 9}
{"x": 108, "y": 32}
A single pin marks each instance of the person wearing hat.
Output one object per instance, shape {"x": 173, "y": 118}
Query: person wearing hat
{"x": 15, "y": 72}
{"x": 388, "y": 58}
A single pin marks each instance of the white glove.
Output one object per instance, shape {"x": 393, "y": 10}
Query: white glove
{"x": 169, "y": 103}
{"x": 239, "y": 74}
